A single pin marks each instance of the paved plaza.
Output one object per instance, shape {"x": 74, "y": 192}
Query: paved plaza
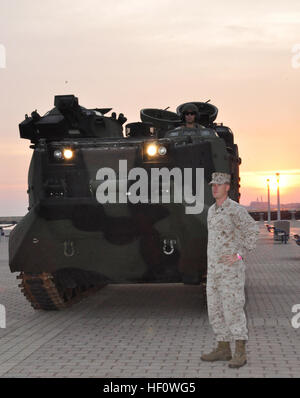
{"x": 155, "y": 330}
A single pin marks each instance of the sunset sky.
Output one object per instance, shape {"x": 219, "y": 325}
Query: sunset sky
{"x": 133, "y": 54}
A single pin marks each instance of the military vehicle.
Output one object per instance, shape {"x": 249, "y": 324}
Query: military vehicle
{"x": 92, "y": 220}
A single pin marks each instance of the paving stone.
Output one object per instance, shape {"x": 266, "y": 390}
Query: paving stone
{"x": 155, "y": 330}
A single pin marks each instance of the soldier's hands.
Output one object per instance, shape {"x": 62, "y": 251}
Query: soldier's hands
{"x": 229, "y": 259}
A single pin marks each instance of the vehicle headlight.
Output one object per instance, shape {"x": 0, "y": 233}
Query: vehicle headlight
{"x": 57, "y": 154}
{"x": 152, "y": 150}
{"x": 162, "y": 150}
{"x": 68, "y": 154}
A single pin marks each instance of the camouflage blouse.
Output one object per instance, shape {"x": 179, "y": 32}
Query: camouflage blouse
{"x": 230, "y": 230}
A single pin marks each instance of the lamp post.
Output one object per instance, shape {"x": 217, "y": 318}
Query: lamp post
{"x": 269, "y": 210}
{"x": 278, "y": 198}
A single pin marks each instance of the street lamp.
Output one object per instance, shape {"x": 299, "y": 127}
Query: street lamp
{"x": 278, "y": 198}
{"x": 269, "y": 210}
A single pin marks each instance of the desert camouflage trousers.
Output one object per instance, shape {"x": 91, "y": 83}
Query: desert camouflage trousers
{"x": 225, "y": 301}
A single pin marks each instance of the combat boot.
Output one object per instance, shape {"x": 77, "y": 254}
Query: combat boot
{"x": 221, "y": 353}
{"x": 239, "y": 358}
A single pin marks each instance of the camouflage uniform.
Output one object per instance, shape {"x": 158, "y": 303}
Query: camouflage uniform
{"x": 230, "y": 230}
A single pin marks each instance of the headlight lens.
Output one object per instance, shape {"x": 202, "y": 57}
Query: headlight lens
{"x": 162, "y": 150}
{"x": 68, "y": 154}
{"x": 152, "y": 150}
{"x": 57, "y": 154}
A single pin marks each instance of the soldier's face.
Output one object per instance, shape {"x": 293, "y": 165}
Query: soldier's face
{"x": 220, "y": 190}
{"x": 190, "y": 116}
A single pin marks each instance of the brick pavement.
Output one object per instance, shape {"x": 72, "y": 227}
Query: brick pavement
{"x": 154, "y": 330}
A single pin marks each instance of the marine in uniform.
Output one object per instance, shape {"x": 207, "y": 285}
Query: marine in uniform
{"x": 231, "y": 233}
{"x": 190, "y": 114}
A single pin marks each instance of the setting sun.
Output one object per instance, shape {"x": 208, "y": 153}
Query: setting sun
{"x": 260, "y": 180}
{"x": 254, "y": 185}
{"x": 283, "y": 182}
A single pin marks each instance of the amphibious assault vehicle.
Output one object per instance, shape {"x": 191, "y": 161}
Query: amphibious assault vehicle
{"x": 108, "y": 205}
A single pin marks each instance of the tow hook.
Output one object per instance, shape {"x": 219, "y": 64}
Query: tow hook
{"x": 69, "y": 249}
{"x": 168, "y": 247}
